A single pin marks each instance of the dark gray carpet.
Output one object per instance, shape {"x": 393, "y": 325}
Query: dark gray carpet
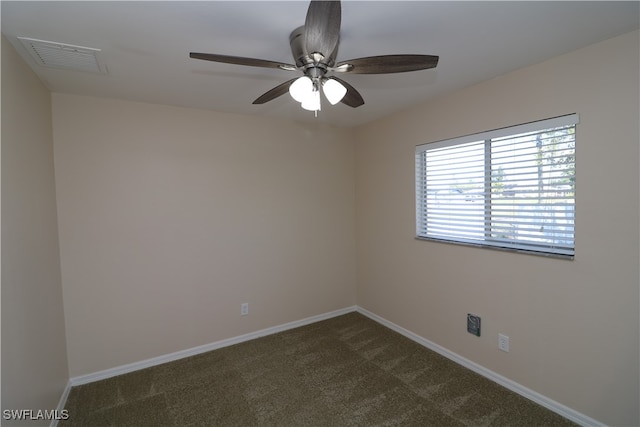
{"x": 345, "y": 371}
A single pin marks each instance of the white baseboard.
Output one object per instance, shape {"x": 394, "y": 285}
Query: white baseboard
{"x": 124, "y": 369}
{"x": 62, "y": 402}
{"x": 550, "y": 404}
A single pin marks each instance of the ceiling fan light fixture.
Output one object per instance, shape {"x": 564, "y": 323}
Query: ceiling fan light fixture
{"x": 312, "y": 102}
{"x": 301, "y": 88}
{"x": 333, "y": 90}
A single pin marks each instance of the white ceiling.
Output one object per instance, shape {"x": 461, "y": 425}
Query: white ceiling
{"x": 145, "y": 46}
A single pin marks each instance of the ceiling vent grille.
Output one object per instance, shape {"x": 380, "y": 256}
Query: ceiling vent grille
{"x": 65, "y": 56}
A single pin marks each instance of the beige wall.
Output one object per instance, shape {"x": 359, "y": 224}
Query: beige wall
{"x": 573, "y": 325}
{"x": 34, "y": 357}
{"x": 170, "y": 218}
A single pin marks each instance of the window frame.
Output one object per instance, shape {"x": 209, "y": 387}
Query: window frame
{"x": 421, "y": 197}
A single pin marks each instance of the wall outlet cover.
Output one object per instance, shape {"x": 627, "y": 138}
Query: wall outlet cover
{"x": 503, "y": 342}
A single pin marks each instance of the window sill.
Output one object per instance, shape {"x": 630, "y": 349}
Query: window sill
{"x": 501, "y": 249}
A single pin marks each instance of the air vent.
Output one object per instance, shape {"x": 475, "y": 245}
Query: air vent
{"x": 65, "y": 56}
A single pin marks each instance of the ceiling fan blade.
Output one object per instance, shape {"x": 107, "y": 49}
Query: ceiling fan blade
{"x": 322, "y": 27}
{"x": 385, "y": 64}
{"x": 352, "y": 97}
{"x": 277, "y": 91}
{"x": 238, "y": 60}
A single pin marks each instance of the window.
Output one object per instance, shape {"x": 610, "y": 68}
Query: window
{"x": 510, "y": 188}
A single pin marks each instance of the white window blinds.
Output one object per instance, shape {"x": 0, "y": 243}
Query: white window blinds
{"x": 510, "y": 188}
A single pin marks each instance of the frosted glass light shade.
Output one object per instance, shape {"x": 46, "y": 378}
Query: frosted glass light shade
{"x": 312, "y": 102}
{"x": 301, "y": 89}
{"x": 333, "y": 90}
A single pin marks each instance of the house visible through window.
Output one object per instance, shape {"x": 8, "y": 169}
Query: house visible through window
{"x": 510, "y": 188}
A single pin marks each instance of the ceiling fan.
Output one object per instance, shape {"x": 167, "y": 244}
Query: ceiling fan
{"x": 315, "y": 46}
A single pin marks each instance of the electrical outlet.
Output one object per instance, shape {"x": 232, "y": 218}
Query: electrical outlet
{"x": 244, "y": 309}
{"x": 503, "y": 342}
